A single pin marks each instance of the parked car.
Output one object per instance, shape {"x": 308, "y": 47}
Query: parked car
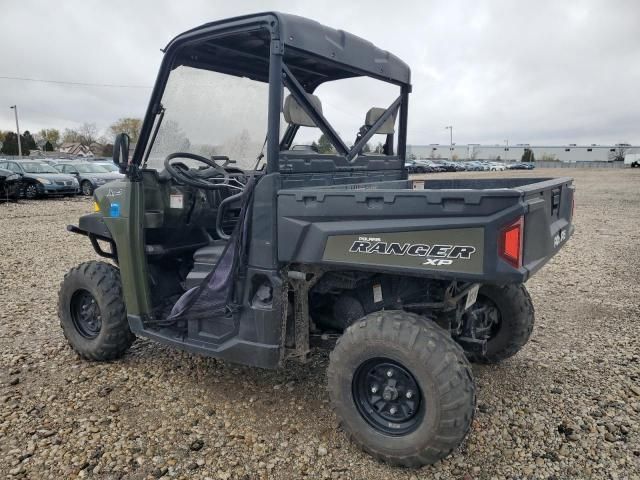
{"x": 474, "y": 166}
{"x": 419, "y": 166}
{"x": 522, "y": 166}
{"x": 446, "y": 165}
{"x": 10, "y": 183}
{"x": 410, "y": 165}
{"x": 431, "y": 166}
{"x": 497, "y": 167}
{"x": 52, "y": 161}
{"x": 41, "y": 179}
{"x": 89, "y": 175}
{"x": 108, "y": 165}
{"x": 305, "y": 148}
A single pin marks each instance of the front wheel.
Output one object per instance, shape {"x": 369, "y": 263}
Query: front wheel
{"x": 504, "y": 317}
{"x": 92, "y": 312}
{"x": 401, "y": 388}
{"x": 86, "y": 188}
{"x": 31, "y": 191}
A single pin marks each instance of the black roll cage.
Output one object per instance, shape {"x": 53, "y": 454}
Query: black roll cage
{"x": 280, "y": 75}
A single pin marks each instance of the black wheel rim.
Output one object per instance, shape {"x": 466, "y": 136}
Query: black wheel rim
{"x": 485, "y": 318}
{"x": 388, "y": 396}
{"x": 86, "y": 314}
{"x": 86, "y": 188}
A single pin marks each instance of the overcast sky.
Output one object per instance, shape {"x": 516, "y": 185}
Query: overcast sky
{"x": 539, "y": 72}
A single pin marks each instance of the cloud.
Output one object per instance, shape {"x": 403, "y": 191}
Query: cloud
{"x": 534, "y": 72}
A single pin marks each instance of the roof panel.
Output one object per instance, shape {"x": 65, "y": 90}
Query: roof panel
{"x": 340, "y": 51}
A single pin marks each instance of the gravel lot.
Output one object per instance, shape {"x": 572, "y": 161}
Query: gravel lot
{"x": 567, "y": 406}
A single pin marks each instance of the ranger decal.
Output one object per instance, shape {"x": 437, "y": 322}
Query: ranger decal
{"x": 454, "y": 250}
{"x": 442, "y": 254}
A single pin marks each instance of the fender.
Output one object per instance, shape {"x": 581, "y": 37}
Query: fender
{"x": 92, "y": 225}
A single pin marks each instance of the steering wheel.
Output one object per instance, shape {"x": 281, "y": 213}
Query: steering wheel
{"x": 210, "y": 178}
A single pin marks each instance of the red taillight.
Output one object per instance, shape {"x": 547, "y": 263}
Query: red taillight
{"x": 510, "y": 244}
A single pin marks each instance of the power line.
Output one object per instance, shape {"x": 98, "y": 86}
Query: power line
{"x": 76, "y": 84}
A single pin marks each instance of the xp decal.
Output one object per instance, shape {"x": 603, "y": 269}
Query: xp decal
{"x": 457, "y": 250}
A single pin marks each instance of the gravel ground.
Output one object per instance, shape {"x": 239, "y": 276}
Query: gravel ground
{"x": 567, "y": 406}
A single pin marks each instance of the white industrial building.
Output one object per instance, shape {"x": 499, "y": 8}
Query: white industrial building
{"x": 564, "y": 153}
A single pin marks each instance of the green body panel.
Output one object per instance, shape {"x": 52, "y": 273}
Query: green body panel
{"x": 127, "y": 231}
{"x": 450, "y": 250}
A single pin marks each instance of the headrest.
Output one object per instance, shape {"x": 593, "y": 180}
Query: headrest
{"x": 294, "y": 113}
{"x": 388, "y": 127}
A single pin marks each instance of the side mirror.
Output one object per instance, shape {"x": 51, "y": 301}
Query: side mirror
{"x": 121, "y": 151}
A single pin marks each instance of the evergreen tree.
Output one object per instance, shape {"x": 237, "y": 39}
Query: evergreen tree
{"x": 28, "y": 141}
{"x": 10, "y": 145}
{"x": 527, "y": 156}
{"x": 324, "y": 145}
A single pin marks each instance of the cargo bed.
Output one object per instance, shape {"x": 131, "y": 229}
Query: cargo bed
{"x": 450, "y": 228}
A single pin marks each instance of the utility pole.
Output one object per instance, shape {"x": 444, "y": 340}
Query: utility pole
{"x": 450, "y": 128}
{"x": 15, "y": 110}
{"x": 506, "y": 149}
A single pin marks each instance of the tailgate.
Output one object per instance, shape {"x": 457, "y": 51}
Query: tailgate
{"x": 548, "y": 217}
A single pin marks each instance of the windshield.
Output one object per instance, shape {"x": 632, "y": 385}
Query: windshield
{"x": 110, "y": 167}
{"x": 211, "y": 113}
{"x": 88, "y": 168}
{"x": 33, "y": 167}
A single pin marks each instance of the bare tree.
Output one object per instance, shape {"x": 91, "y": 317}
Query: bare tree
{"x": 130, "y": 126}
{"x": 617, "y": 154}
{"x": 51, "y": 135}
{"x": 86, "y": 134}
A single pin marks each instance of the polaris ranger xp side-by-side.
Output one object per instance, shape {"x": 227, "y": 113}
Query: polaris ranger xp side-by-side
{"x": 234, "y": 236}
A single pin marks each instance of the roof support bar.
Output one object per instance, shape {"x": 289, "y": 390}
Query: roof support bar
{"x": 300, "y": 95}
{"x": 374, "y": 128}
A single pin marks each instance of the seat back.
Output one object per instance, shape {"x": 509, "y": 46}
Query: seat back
{"x": 388, "y": 127}
{"x": 294, "y": 114}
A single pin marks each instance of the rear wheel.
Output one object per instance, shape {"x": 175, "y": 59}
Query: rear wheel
{"x": 504, "y": 317}
{"x": 86, "y": 188}
{"x": 401, "y": 388}
{"x": 92, "y": 312}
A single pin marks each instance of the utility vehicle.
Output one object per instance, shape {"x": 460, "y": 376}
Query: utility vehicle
{"x": 257, "y": 261}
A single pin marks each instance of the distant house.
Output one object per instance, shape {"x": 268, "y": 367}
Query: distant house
{"x": 76, "y": 149}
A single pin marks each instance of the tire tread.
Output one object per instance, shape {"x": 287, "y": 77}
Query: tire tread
{"x": 115, "y": 340}
{"x": 427, "y": 341}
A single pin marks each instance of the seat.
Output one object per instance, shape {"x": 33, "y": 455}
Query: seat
{"x": 373, "y": 115}
{"x": 294, "y": 114}
{"x": 204, "y": 260}
{"x": 387, "y": 128}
